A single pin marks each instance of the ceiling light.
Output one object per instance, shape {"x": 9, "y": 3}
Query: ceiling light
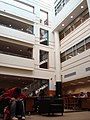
{"x": 81, "y": 82}
{"x": 10, "y": 25}
{"x": 7, "y": 47}
{"x": 20, "y": 50}
{"x": 62, "y": 24}
{"x": 82, "y": 6}
{"x": 72, "y": 83}
{"x": 71, "y": 17}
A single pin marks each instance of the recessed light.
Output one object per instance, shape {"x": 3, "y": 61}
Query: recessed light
{"x": 62, "y": 24}
{"x": 10, "y": 25}
{"x": 81, "y": 82}
{"x": 82, "y": 6}
{"x": 7, "y": 47}
{"x": 71, "y": 17}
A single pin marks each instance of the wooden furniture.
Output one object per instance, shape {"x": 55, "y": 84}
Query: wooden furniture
{"x": 76, "y": 103}
{"x": 30, "y": 104}
{"x": 50, "y": 105}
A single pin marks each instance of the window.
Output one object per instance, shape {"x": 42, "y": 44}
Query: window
{"x": 80, "y": 47}
{"x": 16, "y": 49}
{"x": 69, "y": 53}
{"x": 85, "y": 15}
{"x": 44, "y": 37}
{"x": 76, "y": 49}
{"x": 15, "y": 24}
{"x": 87, "y": 41}
{"x": 63, "y": 57}
{"x": 43, "y": 59}
{"x": 67, "y": 31}
{"x": 44, "y": 17}
{"x": 77, "y": 22}
{"x": 61, "y": 35}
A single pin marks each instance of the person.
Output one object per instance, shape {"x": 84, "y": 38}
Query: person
{"x": 15, "y": 95}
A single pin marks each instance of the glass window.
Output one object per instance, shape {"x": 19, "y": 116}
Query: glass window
{"x": 67, "y": 31}
{"x": 80, "y": 47}
{"x": 16, "y": 50}
{"x": 69, "y": 51}
{"x": 63, "y": 57}
{"x": 44, "y": 37}
{"x": 85, "y": 15}
{"x": 61, "y": 35}
{"x": 43, "y": 59}
{"x": 44, "y": 17}
{"x": 77, "y": 22}
{"x": 18, "y": 25}
{"x": 70, "y": 55}
{"x": 87, "y": 41}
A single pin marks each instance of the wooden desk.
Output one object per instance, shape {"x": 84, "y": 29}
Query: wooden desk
{"x": 85, "y": 103}
{"x": 30, "y": 103}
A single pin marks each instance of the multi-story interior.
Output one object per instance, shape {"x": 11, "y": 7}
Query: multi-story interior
{"x": 40, "y": 45}
{"x": 26, "y": 47}
{"x": 72, "y": 32}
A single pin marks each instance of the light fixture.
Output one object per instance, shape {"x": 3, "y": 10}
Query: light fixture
{"x": 10, "y": 25}
{"x": 20, "y": 50}
{"x": 71, "y": 17}
{"x": 62, "y": 24}
{"x": 82, "y": 6}
{"x": 81, "y": 82}
{"x": 7, "y": 47}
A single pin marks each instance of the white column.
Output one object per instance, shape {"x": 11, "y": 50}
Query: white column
{"x": 57, "y": 56}
{"x": 88, "y": 4}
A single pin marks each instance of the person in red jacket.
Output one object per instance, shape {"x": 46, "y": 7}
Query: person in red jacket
{"x": 15, "y": 95}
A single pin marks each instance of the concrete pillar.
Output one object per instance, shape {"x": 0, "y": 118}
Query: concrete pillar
{"x": 88, "y": 4}
{"x": 57, "y": 57}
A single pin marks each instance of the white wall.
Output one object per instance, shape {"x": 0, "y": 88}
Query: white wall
{"x": 17, "y": 35}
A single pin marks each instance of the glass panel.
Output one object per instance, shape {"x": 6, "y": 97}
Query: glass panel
{"x": 61, "y": 35}
{"x": 44, "y": 37}
{"x": 14, "y": 24}
{"x": 86, "y": 17}
{"x": 16, "y": 49}
{"x": 44, "y": 17}
{"x": 63, "y": 59}
{"x": 80, "y": 44}
{"x": 77, "y": 23}
{"x": 87, "y": 40}
{"x": 70, "y": 55}
{"x": 80, "y": 50}
{"x": 43, "y": 59}
{"x": 67, "y": 32}
{"x": 88, "y": 46}
{"x": 69, "y": 51}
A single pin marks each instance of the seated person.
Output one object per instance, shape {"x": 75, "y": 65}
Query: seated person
{"x": 15, "y": 95}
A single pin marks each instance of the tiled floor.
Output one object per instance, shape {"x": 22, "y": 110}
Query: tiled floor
{"x": 85, "y": 115}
